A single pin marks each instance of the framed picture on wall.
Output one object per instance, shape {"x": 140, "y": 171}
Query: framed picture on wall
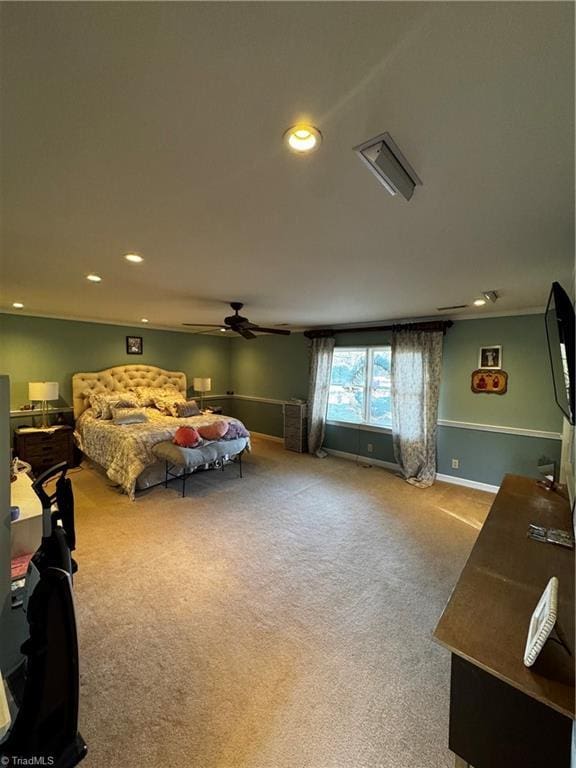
{"x": 134, "y": 345}
{"x": 490, "y": 357}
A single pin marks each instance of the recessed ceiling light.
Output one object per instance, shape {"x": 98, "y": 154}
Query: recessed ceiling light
{"x": 94, "y": 278}
{"x": 144, "y": 320}
{"x": 134, "y": 258}
{"x": 479, "y": 302}
{"x": 18, "y": 305}
{"x": 303, "y": 138}
{"x": 223, "y": 330}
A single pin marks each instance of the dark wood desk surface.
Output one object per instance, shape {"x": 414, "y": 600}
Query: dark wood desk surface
{"x": 487, "y": 617}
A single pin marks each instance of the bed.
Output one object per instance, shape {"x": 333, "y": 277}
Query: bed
{"x": 126, "y": 452}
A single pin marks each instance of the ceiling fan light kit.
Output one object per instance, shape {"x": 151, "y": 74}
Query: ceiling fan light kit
{"x": 383, "y": 158}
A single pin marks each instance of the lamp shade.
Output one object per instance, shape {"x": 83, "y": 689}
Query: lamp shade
{"x": 202, "y": 385}
{"x": 43, "y": 390}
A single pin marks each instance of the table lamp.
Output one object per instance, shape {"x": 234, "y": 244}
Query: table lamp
{"x": 202, "y": 386}
{"x": 43, "y": 391}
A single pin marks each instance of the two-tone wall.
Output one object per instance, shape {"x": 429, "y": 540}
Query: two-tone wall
{"x": 488, "y": 434}
{"x": 263, "y": 374}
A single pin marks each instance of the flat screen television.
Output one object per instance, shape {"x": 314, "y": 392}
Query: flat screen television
{"x": 560, "y": 332}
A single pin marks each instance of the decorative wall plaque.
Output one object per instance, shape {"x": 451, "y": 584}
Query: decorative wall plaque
{"x": 489, "y": 382}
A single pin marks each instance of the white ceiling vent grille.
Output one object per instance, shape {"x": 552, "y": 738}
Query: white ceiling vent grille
{"x": 452, "y": 308}
{"x": 385, "y": 160}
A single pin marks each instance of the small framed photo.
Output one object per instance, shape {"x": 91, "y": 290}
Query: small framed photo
{"x": 490, "y": 357}
{"x": 134, "y": 345}
{"x": 542, "y": 622}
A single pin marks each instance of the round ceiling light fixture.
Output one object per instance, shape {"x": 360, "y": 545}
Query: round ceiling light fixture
{"x": 134, "y": 258}
{"x": 94, "y": 278}
{"x": 144, "y": 320}
{"x": 302, "y": 138}
{"x": 18, "y": 305}
{"x": 479, "y": 302}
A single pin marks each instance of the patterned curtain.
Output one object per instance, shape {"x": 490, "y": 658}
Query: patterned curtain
{"x": 320, "y": 371}
{"x": 415, "y": 373}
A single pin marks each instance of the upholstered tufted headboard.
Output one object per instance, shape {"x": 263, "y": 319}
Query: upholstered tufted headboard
{"x": 119, "y": 379}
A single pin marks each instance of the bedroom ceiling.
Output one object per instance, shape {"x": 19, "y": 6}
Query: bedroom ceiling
{"x": 156, "y": 128}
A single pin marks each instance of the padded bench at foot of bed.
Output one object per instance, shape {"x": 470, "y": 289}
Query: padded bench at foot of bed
{"x": 188, "y": 460}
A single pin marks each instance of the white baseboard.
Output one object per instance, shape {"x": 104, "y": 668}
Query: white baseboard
{"x": 390, "y": 465}
{"x": 273, "y": 438}
{"x": 467, "y": 483}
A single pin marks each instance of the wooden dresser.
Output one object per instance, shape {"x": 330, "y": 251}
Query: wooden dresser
{"x": 43, "y": 448}
{"x": 503, "y": 714}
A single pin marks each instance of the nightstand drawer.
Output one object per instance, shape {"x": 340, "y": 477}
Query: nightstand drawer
{"x": 37, "y": 451}
{"x": 34, "y": 439}
{"x": 43, "y": 449}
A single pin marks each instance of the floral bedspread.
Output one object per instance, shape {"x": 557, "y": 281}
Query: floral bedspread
{"x": 125, "y": 451}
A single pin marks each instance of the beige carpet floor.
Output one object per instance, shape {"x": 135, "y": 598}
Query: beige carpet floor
{"x": 279, "y": 621}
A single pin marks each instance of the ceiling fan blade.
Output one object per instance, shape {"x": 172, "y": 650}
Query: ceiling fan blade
{"x": 203, "y": 325}
{"x": 278, "y": 331}
{"x": 245, "y": 333}
{"x": 208, "y": 330}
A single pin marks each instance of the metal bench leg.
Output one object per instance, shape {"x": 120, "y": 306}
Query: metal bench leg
{"x": 183, "y": 482}
{"x": 240, "y": 463}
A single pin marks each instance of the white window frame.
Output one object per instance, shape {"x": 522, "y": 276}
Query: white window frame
{"x": 365, "y": 424}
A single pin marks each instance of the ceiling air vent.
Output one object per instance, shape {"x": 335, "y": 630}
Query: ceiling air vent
{"x": 388, "y": 164}
{"x": 451, "y": 309}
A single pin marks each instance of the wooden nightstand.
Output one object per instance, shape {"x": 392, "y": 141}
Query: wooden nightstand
{"x": 43, "y": 448}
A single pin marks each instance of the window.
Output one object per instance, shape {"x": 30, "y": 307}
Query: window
{"x": 360, "y": 386}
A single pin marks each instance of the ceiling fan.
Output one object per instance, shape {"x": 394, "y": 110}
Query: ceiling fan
{"x": 241, "y": 325}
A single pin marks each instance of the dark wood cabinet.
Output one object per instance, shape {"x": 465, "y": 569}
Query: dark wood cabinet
{"x": 44, "y": 448}
{"x": 502, "y": 713}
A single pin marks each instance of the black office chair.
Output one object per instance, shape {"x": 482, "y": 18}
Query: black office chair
{"x": 46, "y": 725}
{"x": 58, "y": 527}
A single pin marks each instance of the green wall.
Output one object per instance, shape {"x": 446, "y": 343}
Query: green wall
{"x": 529, "y": 402}
{"x": 39, "y": 349}
{"x": 270, "y": 366}
{"x": 487, "y": 456}
{"x": 276, "y": 367}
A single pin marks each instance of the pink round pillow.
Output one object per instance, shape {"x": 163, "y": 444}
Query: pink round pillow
{"x": 186, "y": 437}
{"x": 213, "y": 431}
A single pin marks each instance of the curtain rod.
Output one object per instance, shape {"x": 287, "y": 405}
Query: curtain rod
{"x": 434, "y": 325}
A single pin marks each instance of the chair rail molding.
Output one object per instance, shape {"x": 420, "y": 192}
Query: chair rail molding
{"x": 524, "y": 432}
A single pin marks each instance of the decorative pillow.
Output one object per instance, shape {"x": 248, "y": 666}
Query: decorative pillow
{"x": 186, "y": 437}
{"x": 166, "y": 402}
{"x": 187, "y": 408}
{"x": 146, "y": 395}
{"x": 102, "y": 403}
{"x": 213, "y": 431}
{"x": 127, "y": 415}
{"x": 235, "y": 429}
